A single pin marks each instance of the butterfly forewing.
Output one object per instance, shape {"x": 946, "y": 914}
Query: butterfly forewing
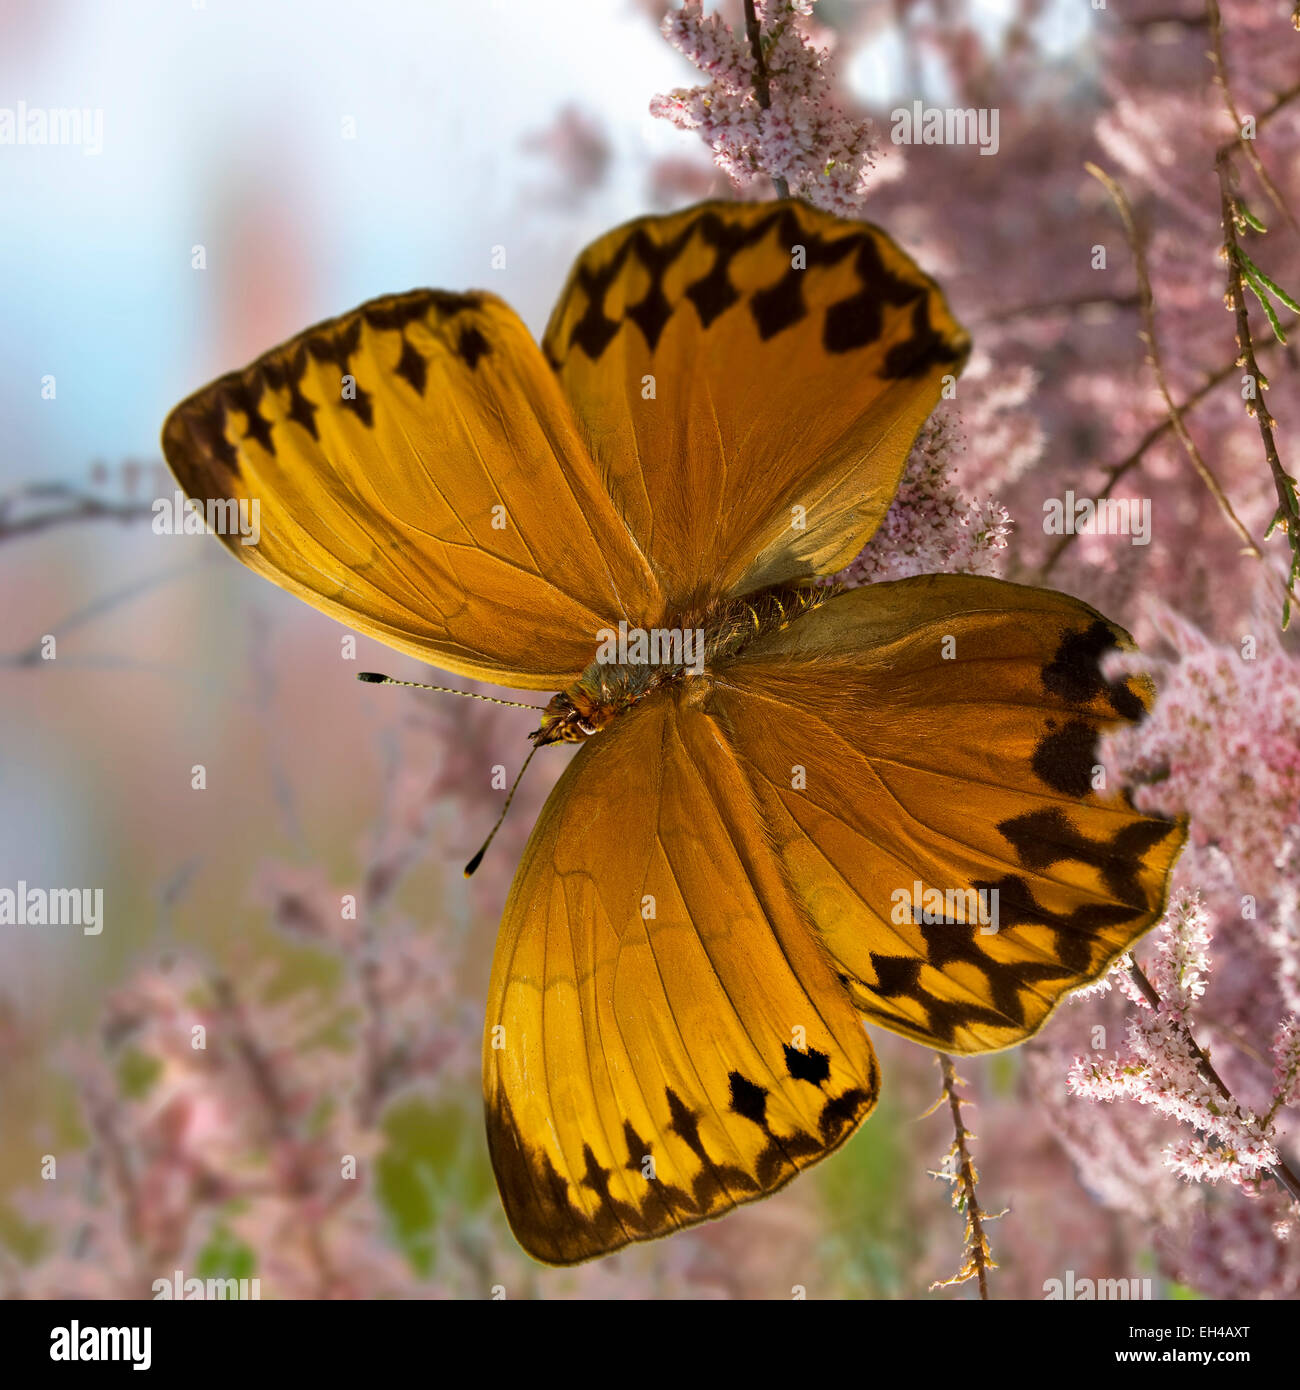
{"x": 939, "y": 735}
{"x": 750, "y": 377}
{"x": 419, "y": 476}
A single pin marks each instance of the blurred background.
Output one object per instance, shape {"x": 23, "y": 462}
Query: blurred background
{"x": 264, "y": 167}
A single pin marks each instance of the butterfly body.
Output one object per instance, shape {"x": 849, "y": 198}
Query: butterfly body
{"x": 641, "y": 514}
{"x": 592, "y": 703}
{"x": 684, "y": 650}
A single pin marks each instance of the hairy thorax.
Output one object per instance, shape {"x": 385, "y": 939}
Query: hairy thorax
{"x": 633, "y": 663}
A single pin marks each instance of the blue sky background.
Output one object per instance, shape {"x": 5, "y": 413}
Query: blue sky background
{"x": 223, "y": 127}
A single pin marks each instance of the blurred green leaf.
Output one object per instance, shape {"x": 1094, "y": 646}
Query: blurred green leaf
{"x": 225, "y": 1256}
{"x": 864, "y": 1188}
{"x": 1183, "y": 1293}
{"x": 1249, "y": 217}
{"x": 428, "y": 1165}
{"x": 136, "y": 1073}
{"x": 1257, "y": 290}
{"x": 321, "y": 1114}
{"x": 1004, "y": 1069}
{"x": 27, "y": 1243}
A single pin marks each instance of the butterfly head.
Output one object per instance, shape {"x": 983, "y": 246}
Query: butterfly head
{"x": 604, "y": 691}
{"x": 564, "y": 722}
{"x": 578, "y": 712}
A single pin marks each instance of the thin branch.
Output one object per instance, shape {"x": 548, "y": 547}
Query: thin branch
{"x": 96, "y": 608}
{"x": 1069, "y": 305}
{"x": 1288, "y": 505}
{"x": 1147, "y": 334}
{"x": 762, "y": 90}
{"x": 976, "y": 1258}
{"x": 1116, "y": 471}
{"x": 1247, "y": 147}
{"x": 69, "y": 504}
{"x": 1283, "y": 99}
{"x": 120, "y": 1171}
{"x": 261, "y": 1073}
{"x": 1160, "y": 21}
{"x": 1280, "y": 1172}
{"x": 276, "y": 1108}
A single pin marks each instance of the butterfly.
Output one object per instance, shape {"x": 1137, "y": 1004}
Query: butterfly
{"x": 776, "y": 778}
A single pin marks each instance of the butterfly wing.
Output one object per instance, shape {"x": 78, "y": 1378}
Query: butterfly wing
{"x": 419, "y": 476}
{"x": 665, "y": 1038}
{"x": 736, "y": 362}
{"x": 940, "y": 733}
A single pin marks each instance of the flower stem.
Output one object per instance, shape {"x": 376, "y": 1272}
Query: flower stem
{"x": 977, "y": 1260}
{"x": 762, "y": 90}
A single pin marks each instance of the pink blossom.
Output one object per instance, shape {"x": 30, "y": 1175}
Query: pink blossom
{"x": 931, "y": 527}
{"x": 802, "y": 137}
{"x": 1222, "y": 745}
{"x": 1161, "y": 1069}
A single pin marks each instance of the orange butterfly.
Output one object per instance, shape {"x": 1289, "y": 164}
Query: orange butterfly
{"x": 778, "y": 782}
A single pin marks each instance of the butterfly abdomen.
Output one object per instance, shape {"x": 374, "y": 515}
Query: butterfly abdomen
{"x": 734, "y": 624}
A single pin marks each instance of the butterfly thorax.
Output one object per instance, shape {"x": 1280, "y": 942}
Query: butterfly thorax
{"x": 632, "y": 663}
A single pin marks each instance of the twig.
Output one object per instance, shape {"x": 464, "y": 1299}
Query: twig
{"x": 976, "y": 1258}
{"x": 1157, "y": 21}
{"x": 1115, "y": 471}
{"x": 1147, "y": 334}
{"x": 1280, "y": 1172}
{"x": 260, "y": 1071}
{"x": 120, "y": 1171}
{"x": 96, "y": 608}
{"x": 1288, "y": 506}
{"x": 1247, "y": 147}
{"x": 72, "y": 505}
{"x": 1283, "y": 99}
{"x": 275, "y": 1105}
{"x": 762, "y": 90}
{"x": 1069, "y": 305}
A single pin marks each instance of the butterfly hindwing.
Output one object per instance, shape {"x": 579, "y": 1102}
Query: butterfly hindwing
{"x": 665, "y": 1038}
{"x": 419, "y": 476}
{"x": 750, "y": 377}
{"x": 939, "y": 734}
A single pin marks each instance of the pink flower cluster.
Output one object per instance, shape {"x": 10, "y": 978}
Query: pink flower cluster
{"x": 1286, "y": 1064}
{"x": 1223, "y": 745}
{"x": 931, "y": 527}
{"x": 801, "y": 136}
{"x": 1162, "y": 1070}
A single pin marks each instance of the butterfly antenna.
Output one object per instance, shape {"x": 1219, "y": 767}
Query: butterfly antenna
{"x": 478, "y": 858}
{"x": 374, "y": 678}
